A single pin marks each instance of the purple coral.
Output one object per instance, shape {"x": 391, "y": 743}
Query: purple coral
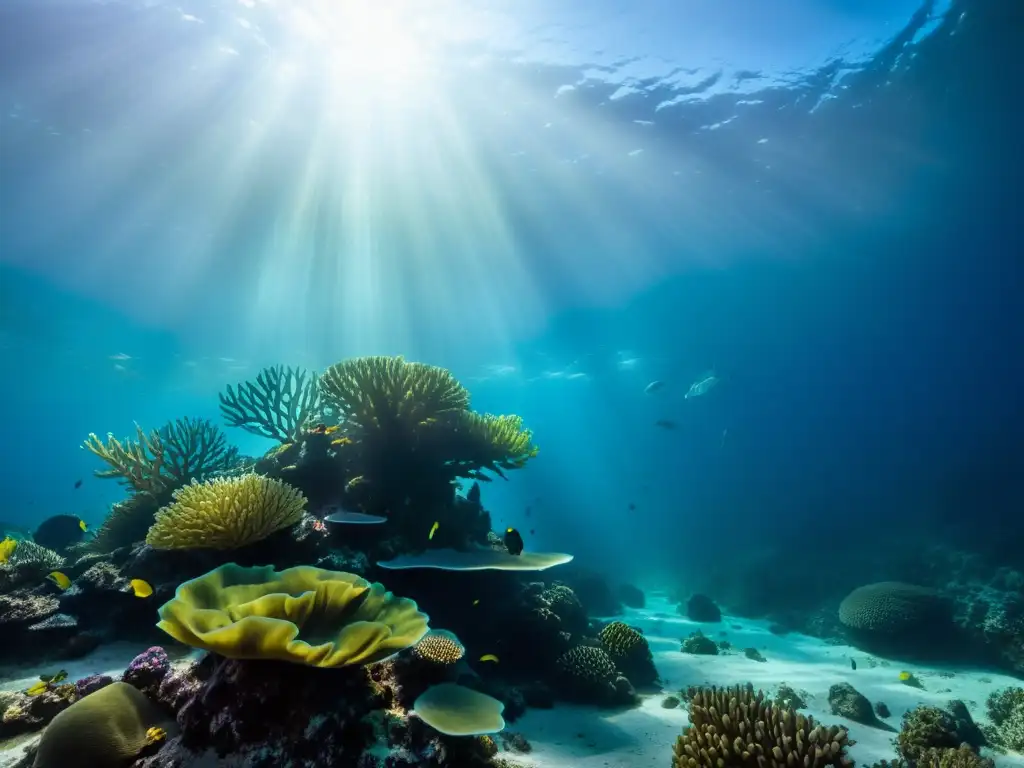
{"x": 148, "y": 669}
{"x": 91, "y": 684}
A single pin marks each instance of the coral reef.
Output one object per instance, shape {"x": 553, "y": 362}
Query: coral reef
{"x": 1006, "y": 711}
{"x": 628, "y": 649}
{"x": 734, "y": 727}
{"x": 278, "y": 404}
{"x": 892, "y": 616}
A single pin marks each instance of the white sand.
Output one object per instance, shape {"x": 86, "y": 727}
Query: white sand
{"x": 583, "y": 737}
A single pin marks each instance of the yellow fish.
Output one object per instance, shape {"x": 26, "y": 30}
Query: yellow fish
{"x": 7, "y": 547}
{"x": 342, "y": 441}
{"x": 154, "y": 734}
{"x": 60, "y": 579}
{"x": 37, "y": 688}
{"x": 82, "y": 525}
{"x": 331, "y": 430}
{"x": 56, "y": 678}
{"x": 905, "y": 675}
{"x": 141, "y": 588}
{"x": 489, "y": 657}
{"x": 433, "y": 530}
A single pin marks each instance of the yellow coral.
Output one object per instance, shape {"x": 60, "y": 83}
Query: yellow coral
{"x": 496, "y": 442}
{"x": 305, "y": 615}
{"x": 136, "y": 462}
{"x": 439, "y": 647}
{"x": 226, "y": 513}
{"x": 376, "y": 392}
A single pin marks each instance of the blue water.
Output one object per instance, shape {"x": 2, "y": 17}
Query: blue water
{"x": 560, "y": 202}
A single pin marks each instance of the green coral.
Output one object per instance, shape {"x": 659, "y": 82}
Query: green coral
{"x": 489, "y": 442}
{"x": 700, "y": 644}
{"x": 630, "y": 652}
{"x": 926, "y": 728}
{"x": 304, "y": 615}
{"x": 1006, "y": 711}
{"x": 226, "y": 513}
{"x": 278, "y": 404}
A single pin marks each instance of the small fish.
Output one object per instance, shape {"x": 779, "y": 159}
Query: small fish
{"x": 331, "y": 430}
{"x": 701, "y": 387}
{"x": 60, "y": 579}
{"x": 342, "y": 441}
{"x": 37, "y": 688}
{"x": 320, "y": 526}
{"x": 853, "y": 664}
{"x": 666, "y": 424}
{"x": 319, "y": 429}
{"x": 489, "y": 657}
{"x": 289, "y": 468}
{"x": 78, "y": 484}
{"x": 513, "y": 541}
{"x": 476, "y": 602}
{"x": 141, "y": 588}
{"x": 354, "y": 518}
{"x": 433, "y": 530}
{"x": 7, "y": 547}
{"x": 357, "y": 480}
{"x": 154, "y": 735}
{"x": 532, "y": 531}
{"x": 83, "y": 526}
{"x": 653, "y": 387}
{"x": 632, "y": 506}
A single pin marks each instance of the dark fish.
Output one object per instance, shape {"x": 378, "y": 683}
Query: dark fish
{"x": 513, "y": 541}
{"x": 653, "y": 387}
{"x": 532, "y": 531}
{"x": 354, "y": 518}
{"x": 853, "y": 664}
{"x": 59, "y": 532}
{"x": 632, "y": 506}
{"x": 78, "y": 484}
{"x": 665, "y": 424}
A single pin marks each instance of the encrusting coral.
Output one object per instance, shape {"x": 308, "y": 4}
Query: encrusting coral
{"x": 278, "y": 404}
{"x": 226, "y": 513}
{"x": 734, "y": 727}
{"x": 303, "y": 614}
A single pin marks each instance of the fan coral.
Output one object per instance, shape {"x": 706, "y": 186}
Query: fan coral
{"x": 630, "y": 652}
{"x": 108, "y": 727}
{"x": 164, "y": 459}
{"x": 303, "y": 615}
{"x": 734, "y": 727}
{"x": 226, "y": 513}
{"x": 439, "y": 646}
{"x": 277, "y": 405}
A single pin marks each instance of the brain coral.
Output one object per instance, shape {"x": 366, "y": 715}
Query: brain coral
{"x": 734, "y": 728}
{"x": 630, "y": 652}
{"x": 891, "y": 608}
{"x": 226, "y": 513}
{"x": 303, "y": 614}
{"x": 106, "y": 728}
{"x": 589, "y": 675}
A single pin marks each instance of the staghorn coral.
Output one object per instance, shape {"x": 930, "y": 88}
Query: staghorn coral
{"x": 630, "y": 652}
{"x": 304, "y": 615}
{"x": 164, "y": 459}
{"x": 278, "y": 404}
{"x": 226, "y": 513}
{"x": 733, "y": 727}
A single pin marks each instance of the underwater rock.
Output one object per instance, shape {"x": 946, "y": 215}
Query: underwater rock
{"x": 754, "y": 655}
{"x": 882, "y": 709}
{"x": 24, "y": 608}
{"x": 703, "y": 609}
{"x": 91, "y": 684}
{"x": 148, "y": 670}
{"x": 630, "y": 596}
{"x": 846, "y": 701}
{"x": 24, "y": 713}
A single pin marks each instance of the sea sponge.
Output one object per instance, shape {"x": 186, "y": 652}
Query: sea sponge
{"x": 278, "y": 404}
{"x": 106, "y": 728}
{"x": 455, "y": 710}
{"x": 439, "y": 646}
{"x": 629, "y": 650}
{"x": 380, "y": 393}
{"x": 734, "y": 727}
{"x": 304, "y": 615}
{"x": 891, "y": 608}
{"x": 226, "y": 513}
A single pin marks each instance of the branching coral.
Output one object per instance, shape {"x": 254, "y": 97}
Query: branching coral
{"x": 485, "y": 441}
{"x": 162, "y": 460}
{"x": 382, "y": 393}
{"x": 734, "y": 728}
{"x": 304, "y": 615}
{"x": 1006, "y": 710}
{"x": 278, "y": 404}
{"x": 226, "y": 513}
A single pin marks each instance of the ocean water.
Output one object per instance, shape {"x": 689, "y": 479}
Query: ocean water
{"x": 816, "y": 202}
